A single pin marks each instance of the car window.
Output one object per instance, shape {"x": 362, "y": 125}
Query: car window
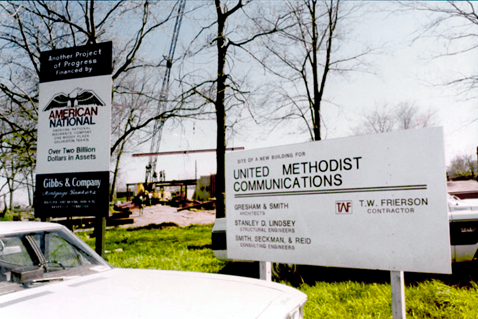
{"x": 59, "y": 252}
{"x": 36, "y": 258}
{"x": 14, "y": 253}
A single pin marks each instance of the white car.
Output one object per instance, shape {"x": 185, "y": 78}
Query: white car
{"x": 456, "y": 204}
{"x": 463, "y": 215}
{"x": 48, "y": 272}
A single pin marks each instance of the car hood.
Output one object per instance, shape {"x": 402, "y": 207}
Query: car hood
{"x": 143, "y": 293}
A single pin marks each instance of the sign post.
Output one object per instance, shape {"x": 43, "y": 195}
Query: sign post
{"x": 372, "y": 202}
{"x": 266, "y": 270}
{"x": 74, "y": 119}
{"x": 397, "y": 282}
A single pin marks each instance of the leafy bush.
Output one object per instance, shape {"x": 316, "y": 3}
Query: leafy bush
{"x": 8, "y": 215}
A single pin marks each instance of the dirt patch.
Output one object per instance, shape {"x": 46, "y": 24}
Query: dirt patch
{"x": 159, "y": 214}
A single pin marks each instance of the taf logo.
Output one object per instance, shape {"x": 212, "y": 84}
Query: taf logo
{"x": 343, "y": 207}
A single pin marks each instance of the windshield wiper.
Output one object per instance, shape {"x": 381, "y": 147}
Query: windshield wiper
{"x": 31, "y": 283}
{"x": 44, "y": 280}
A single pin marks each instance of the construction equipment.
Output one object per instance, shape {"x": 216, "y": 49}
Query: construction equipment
{"x": 151, "y": 174}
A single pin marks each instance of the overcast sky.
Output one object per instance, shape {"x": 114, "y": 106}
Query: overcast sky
{"x": 405, "y": 72}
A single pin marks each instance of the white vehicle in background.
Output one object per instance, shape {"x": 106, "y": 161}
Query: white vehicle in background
{"x": 456, "y": 204}
{"x": 48, "y": 272}
{"x": 463, "y": 214}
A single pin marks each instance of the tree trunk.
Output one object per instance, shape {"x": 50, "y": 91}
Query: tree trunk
{"x": 29, "y": 188}
{"x": 220, "y": 115}
{"x": 315, "y": 74}
{"x": 10, "y": 197}
{"x": 115, "y": 174}
{"x": 32, "y": 178}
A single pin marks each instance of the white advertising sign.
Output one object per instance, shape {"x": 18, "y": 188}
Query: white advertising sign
{"x": 75, "y": 137}
{"x": 73, "y": 147}
{"x": 375, "y": 202}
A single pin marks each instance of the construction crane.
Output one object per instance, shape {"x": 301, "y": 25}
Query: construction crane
{"x": 151, "y": 173}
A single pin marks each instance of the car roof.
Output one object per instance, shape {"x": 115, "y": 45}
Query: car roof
{"x": 10, "y": 227}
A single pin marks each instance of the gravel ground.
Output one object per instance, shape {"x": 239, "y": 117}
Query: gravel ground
{"x": 159, "y": 214}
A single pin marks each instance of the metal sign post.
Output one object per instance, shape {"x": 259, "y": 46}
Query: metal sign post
{"x": 398, "y": 294}
{"x": 266, "y": 271}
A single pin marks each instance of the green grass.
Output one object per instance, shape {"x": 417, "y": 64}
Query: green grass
{"x": 429, "y": 299}
{"x": 347, "y": 300}
{"x": 168, "y": 248}
{"x": 434, "y": 299}
{"x": 332, "y": 292}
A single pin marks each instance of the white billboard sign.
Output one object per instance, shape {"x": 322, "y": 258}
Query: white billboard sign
{"x": 74, "y": 116}
{"x": 376, "y": 202}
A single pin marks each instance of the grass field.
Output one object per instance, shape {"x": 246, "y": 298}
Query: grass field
{"x": 332, "y": 292}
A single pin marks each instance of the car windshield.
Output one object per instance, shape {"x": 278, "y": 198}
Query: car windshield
{"x": 36, "y": 258}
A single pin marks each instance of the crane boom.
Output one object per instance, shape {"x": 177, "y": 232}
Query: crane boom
{"x": 163, "y": 95}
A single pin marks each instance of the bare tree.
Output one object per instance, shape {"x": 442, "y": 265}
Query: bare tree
{"x": 18, "y": 146}
{"x": 27, "y": 28}
{"x": 132, "y": 104}
{"x": 454, "y": 25}
{"x": 462, "y": 167}
{"x": 308, "y": 52}
{"x": 386, "y": 118}
{"x": 379, "y": 120}
{"x": 220, "y": 88}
